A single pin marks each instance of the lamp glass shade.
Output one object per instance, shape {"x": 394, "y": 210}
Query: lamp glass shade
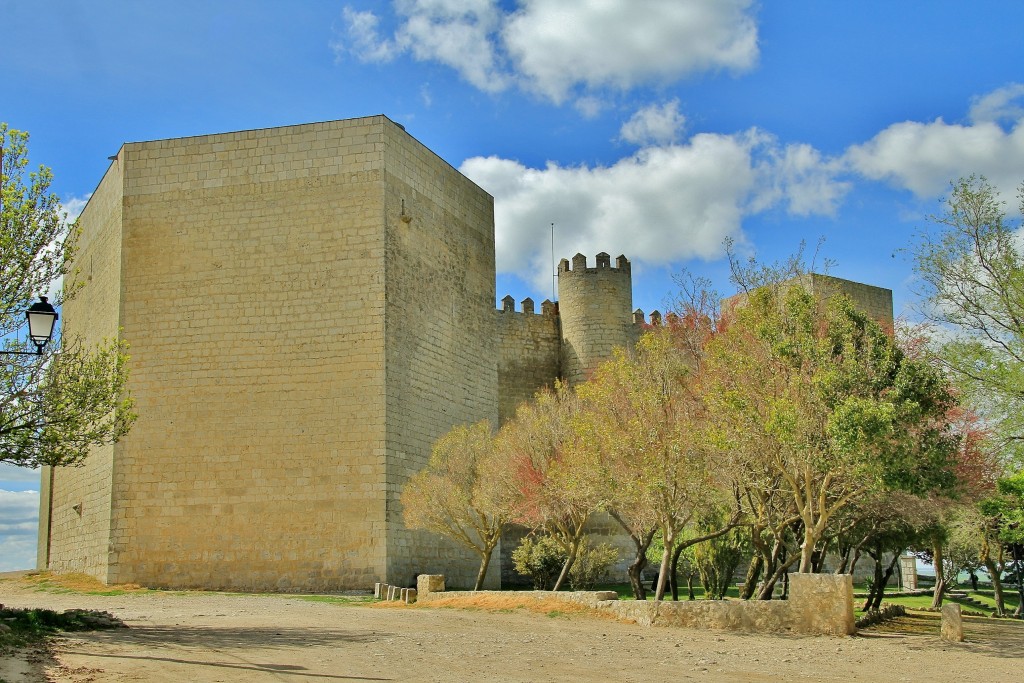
{"x": 41, "y": 319}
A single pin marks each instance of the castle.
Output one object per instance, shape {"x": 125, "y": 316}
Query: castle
{"x": 309, "y": 308}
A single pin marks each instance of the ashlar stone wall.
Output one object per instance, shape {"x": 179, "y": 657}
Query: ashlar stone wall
{"x": 441, "y": 368}
{"x": 75, "y": 503}
{"x": 529, "y": 353}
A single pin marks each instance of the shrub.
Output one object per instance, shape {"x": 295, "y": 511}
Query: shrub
{"x": 591, "y": 564}
{"x": 540, "y": 558}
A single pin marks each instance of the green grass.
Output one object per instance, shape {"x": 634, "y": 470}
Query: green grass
{"x": 924, "y": 601}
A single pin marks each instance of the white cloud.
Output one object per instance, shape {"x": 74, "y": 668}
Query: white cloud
{"x": 457, "y": 33}
{"x": 925, "y": 157}
{"x": 19, "y": 522}
{"x": 73, "y": 206}
{"x": 562, "y": 49}
{"x": 558, "y": 45}
{"x": 999, "y": 105}
{"x": 363, "y": 38}
{"x": 9, "y": 472}
{"x": 655, "y": 124}
{"x": 661, "y": 205}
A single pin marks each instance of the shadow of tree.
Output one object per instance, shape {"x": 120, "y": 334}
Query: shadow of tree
{"x": 222, "y": 637}
{"x": 993, "y": 637}
{"x": 224, "y": 647}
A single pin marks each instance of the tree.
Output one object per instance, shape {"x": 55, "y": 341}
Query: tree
{"x": 646, "y": 426}
{"x": 554, "y": 477}
{"x": 56, "y": 406}
{"x": 972, "y": 283}
{"x": 461, "y": 493}
{"x": 818, "y": 397}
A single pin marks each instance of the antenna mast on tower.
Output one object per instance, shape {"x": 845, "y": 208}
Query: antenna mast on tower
{"x": 554, "y": 271}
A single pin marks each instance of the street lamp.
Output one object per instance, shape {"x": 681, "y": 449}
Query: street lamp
{"x": 41, "y": 320}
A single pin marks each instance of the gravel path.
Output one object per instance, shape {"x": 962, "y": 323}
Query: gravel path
{"x": 200, "y": 637}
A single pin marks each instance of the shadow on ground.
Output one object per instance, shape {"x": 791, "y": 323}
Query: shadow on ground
{"x": 994, "y": 637}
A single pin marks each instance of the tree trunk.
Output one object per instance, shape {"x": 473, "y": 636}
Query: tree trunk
{"x": 780, "y": 571}
{"x": 673, "y": 576}
{"x": 940, "y": 578}
{"x": 485, "y": 560}
{"x": 690, "y": 595}
{"x": 876, "y": 580}
{"x": 807, "y": 549}
{"x": 844, "y": 558}
{"x": 635, "y": 571}
{"x": 880, "y": 591}
{"x": 567, "y": 566}
{"x": 666, "y": 561}
{"x": 818, "y": 558}
{"x": 1017, "y": 561}
{"x": 997, "y": 584}
{"x": 753, "y": 573}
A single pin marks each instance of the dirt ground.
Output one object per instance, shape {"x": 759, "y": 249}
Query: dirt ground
{"x": 204, "y": 637}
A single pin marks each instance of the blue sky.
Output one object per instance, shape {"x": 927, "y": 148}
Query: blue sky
{"x": 653, "y": 128}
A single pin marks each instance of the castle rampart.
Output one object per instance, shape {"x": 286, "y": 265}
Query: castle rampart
{"x": 529, "y": 352}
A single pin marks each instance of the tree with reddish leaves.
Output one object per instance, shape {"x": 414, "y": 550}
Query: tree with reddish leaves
{"x": 554, "y": 476}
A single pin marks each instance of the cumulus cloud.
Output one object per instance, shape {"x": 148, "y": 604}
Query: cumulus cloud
{"x": 558, "y": 45}
{"x": 19, "y": 522}
{"x": 562, "y": 49}
{"x": 460, "y": 34}
{"x": 925, "y": 157}
{"x": 661, "y": 205}
{"x": 655, "y": 124}
{"x": 1002, "y": 104}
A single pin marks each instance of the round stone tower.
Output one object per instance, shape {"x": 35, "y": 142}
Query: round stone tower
{"x": 595, "y": 307}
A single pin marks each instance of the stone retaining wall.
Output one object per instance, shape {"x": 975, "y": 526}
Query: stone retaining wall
{"x": 818, "y": 604}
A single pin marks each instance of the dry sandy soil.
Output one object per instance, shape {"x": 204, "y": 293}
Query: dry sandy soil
{"x": 200, "y": 637}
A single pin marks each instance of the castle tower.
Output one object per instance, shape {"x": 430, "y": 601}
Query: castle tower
{"x": 595, "y": 306}
{"x": 273, "y": 443}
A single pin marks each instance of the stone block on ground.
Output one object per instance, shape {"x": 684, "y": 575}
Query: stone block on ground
{"x": 429, "y": 583}
{"x": 952, "y": 629}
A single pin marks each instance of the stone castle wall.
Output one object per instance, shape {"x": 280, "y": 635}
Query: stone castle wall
{"x": 75, "y": 502}
{"x": 439, "y": 357}
{"x": 876, "y": 302}
{"x": 254, "y": 302}
{"x": 529, "y": 353}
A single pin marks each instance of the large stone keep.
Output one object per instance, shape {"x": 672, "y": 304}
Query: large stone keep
{"x": 309, "y": 308}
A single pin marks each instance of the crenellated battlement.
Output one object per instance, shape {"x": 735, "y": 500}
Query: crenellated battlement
{"x": 604, "y": 264}
{"x": 640, "y": 319}
{"x": 547, "y": 307}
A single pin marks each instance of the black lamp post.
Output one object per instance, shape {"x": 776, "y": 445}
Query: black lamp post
{"x": 41, "y": 320}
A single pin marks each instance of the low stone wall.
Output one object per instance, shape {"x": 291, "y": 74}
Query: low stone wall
{"x": 818, "y": 604}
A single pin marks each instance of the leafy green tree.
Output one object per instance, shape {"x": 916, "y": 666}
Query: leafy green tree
{"x": 56, "y": 406}
{"x": 1004, "y": 517}
{"x": 971, "y": 274}
{"x": 716, "y": 561}
{"x": 461, "y": 494}
{"x": 815, "y": 395}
